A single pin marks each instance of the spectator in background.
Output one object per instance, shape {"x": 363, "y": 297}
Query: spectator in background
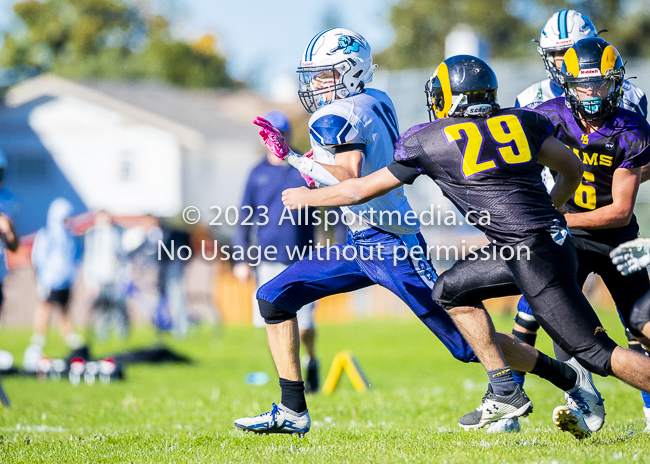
{"x": 263, "y": 194}
{"x": 8, "y": 236}
{"x": 173, "y": 305}
{"x": 143, "y": 269}
{"x": 54, "y": 256}
{"x": 103, "y": 272}
{"x": 157, "y": 281}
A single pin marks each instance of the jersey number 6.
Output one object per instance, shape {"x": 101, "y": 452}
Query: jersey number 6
{"x": 505, "y": 130}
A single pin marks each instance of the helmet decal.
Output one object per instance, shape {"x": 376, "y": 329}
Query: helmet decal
{"x": 462, "y": 85}
{"x": 608, "y": 61}
{"x": 442, "y": 74}
{"x": 310, "y": 47}
{"x": 592, "y": 77}
{"x": 347, "y": 43}
{"x": 562, "y": 30}
{"x": 337, "y": 63}
{"x": 588, "y": 25}
{"x": 561, "y": 23}
{"x": 571, "y": 62}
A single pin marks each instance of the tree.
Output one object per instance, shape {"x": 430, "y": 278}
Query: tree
{"x": 422, "y": 25}
{"x": 508, "y": 25}
{"x": 108, "y": 39}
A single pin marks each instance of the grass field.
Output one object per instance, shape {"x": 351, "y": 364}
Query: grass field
{"x": 184, "y": 413}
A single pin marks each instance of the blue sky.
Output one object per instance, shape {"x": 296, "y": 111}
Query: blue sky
{"x": 264, "y": 39}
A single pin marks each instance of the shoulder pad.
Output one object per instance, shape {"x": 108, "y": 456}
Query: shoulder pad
{"x": 532, "y": 96}
{"x": 334, "y": 124}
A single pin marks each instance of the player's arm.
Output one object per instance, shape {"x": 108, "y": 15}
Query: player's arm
{"x": 645, "y": 173}
{"x": 347, "y": 163}
{"x": 625, "y": 186}
{"x": 349, "y": 192}
{"x": 555, "y": 155}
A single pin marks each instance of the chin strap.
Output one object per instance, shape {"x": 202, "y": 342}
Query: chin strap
{"x": 457, "y": 101}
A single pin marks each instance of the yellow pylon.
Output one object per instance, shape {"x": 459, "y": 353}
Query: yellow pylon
{"x": 345, "y": 361}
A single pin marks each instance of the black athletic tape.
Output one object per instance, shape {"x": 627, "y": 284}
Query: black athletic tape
{"x": 350, "y": 147}
{"x": 638, "y": 348}
{"x": 533, "y": 325}
{"x": 272, "y": 314}
{"x": 640, "y": 315}
{"x": 528, "y": 338}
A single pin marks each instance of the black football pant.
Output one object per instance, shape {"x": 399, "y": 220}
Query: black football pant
{"x": 545, "y": 273}
{"x": 625, "y": 290}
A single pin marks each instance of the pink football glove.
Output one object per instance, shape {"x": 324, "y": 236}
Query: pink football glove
{"x": 311, "y": 183}
{"x": 273, "y": 139}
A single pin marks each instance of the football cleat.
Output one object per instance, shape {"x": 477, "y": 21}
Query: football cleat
{"x": 494, "y": 407}
{"x": 505, "y": 426}
{"x": 585, "y": 398}
{"x": 572, "y": 421}
{"x": 646, "y": 411}
{"x": 278, "y": 420}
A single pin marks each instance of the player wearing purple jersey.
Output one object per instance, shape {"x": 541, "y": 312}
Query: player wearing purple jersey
{"x": 612, "y": 143}
{"x": 482, "y": 157}
{"x": 343, "y": 123}
{"x": 562, "y": 30}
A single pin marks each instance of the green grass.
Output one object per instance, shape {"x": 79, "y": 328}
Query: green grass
{"x": 184, "y": 413}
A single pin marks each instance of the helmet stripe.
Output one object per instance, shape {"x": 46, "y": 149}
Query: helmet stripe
{"x": 571, "y": 62}
{"x": 561, "y": 20}
{"x": 310, "y": 47}
{"x": 608, "y": 61}
{"x": 442, "y": 74}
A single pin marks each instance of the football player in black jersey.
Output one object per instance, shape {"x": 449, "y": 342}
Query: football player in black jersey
{"x": 486, "y": 159}
{"x": 614, "y": 144}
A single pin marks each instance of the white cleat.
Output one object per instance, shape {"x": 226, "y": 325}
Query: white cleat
{"x": 572, "y": 421}
{"x": 584, "y": 397}
{"x": 504, "y": 426}
{"x": 278, "y": 420}
{"x": 495, "y": 407}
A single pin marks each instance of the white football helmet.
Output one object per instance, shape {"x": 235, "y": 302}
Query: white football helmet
{"x": 560, "y": 33}
{"x": 337, "y": 63}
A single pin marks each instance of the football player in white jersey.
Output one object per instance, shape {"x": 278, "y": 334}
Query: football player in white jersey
{"x": 352, "y": 133}
{"x": 560, "y": 33}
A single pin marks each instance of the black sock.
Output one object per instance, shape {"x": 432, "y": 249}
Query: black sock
{"x": 293, "y": 395}
{"x": 530, "y": 339}
{"x": 558, "y": 373}
{"x": 502, "y": 382}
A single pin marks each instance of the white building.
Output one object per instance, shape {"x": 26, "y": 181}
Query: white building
{"x": 130, "y": 148}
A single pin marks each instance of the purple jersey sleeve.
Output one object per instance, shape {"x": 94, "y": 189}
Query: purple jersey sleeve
{"x": 407, "y": 141}
{"x": 635, "y": 138}
{"x": 406, "y": 166}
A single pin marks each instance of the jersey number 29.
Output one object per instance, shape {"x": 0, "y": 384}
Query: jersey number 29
{"x": 505, "y": 130}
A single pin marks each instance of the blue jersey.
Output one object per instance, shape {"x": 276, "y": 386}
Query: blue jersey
{"x": 364, "y": 122}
